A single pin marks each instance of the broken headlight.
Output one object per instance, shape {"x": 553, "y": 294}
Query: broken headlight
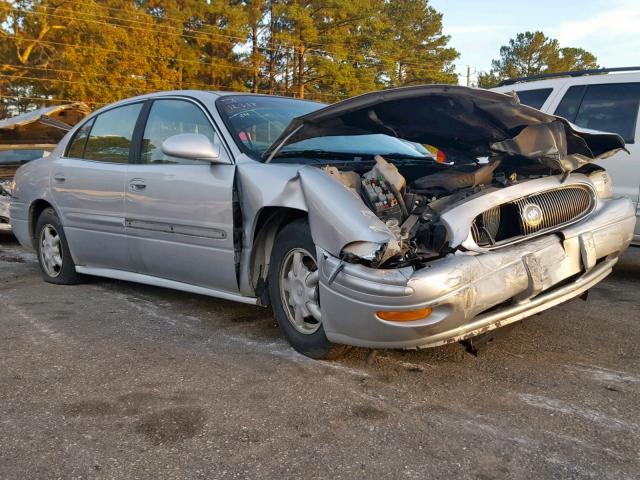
{"x": 369, "y": 251}
{"x": 372, "y": 253}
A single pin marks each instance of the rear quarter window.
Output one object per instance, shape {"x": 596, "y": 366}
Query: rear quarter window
{"x": 534, "y": 98}
{"x": 76, "y": 147}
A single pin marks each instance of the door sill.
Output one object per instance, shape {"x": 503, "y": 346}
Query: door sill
{"x": 164, "y": 283}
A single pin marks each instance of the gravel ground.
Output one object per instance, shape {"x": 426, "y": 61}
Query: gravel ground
{"x": 116, "y": 380}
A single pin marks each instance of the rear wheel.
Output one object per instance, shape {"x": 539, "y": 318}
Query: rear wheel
{"x": 295, "y": 295}
{"x": 53, "y": 251}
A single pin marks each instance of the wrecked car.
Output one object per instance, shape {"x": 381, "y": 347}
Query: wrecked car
{"x": 29, "y": 136}
{"x": 405, "y": 218}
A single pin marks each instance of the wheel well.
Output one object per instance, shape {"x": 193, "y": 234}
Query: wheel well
{"x": 35, "y": 211}
{"x": 269, "y": 223}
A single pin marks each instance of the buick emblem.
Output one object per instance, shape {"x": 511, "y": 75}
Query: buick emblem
{"x": 531, "y": 215}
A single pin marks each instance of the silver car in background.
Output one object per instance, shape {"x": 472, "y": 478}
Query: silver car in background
{"x": 406, "y": 218}
{"x": 601, "y": 99}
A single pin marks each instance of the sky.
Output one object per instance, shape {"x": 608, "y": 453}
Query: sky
{"x": 478, "y": 28}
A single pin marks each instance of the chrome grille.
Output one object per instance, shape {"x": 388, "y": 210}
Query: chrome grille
{"x": 534, "y": 214}
{"x": 484, "y": 231}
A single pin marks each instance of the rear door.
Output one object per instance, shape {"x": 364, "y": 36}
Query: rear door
{"x": 612, "y": 107}
{"x": 179, "y": 212}
{"x": 88, "y": 188}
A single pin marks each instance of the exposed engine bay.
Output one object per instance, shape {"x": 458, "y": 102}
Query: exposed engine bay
{"x": 508, "y": 179}
{"x": 410, "y": 204}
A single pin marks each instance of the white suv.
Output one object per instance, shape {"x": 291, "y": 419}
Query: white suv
{"x": 598, "y": 100}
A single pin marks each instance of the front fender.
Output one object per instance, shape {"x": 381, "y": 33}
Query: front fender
{"x": 337, "y": 216}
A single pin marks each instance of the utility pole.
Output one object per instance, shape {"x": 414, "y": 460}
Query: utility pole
{"x": 468, "y": 76}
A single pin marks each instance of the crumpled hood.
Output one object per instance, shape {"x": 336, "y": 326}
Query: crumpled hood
{"x": 466, "y": 118}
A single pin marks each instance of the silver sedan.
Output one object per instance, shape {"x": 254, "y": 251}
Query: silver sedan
{"x": 407, "y": 218}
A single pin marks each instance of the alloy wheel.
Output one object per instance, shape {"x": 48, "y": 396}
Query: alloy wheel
{"x": 51, "y": 251}
{"x": 299, "y": 290}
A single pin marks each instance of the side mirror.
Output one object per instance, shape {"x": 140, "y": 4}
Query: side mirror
{"x": 192, "y": 146}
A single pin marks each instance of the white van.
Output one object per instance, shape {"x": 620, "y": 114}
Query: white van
{"x": 604, "y": 99}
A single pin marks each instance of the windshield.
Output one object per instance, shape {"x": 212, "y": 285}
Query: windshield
{"x": 16, "y": 157}
{"x": 255, "y": 121}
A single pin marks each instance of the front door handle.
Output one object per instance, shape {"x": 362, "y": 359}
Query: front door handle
{"x": 59, "y": 178}
{"x": 137, "y": 184}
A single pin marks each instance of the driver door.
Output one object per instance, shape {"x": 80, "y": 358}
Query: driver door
{"x": 178, "y": 212}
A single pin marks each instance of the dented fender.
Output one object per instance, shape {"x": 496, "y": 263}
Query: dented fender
{"x": 337, "y": 217}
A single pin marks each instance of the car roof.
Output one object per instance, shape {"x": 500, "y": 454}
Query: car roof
{"x": 578, "y": 80}
{"x": 202, "y": 95}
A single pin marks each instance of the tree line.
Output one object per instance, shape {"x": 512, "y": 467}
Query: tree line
{"x": 321, "y": 49}
{"x": 56, "y": 51}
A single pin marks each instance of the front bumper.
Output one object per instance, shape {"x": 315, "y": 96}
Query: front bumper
{"x": 471, "y": 293}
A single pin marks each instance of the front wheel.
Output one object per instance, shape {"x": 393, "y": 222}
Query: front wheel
{"x": 294, "y": 292}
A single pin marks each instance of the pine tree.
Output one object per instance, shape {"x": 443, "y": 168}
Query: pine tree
{"x": 533, "y": 53}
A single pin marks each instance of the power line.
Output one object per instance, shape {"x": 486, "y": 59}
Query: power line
{"x": 72, "y": 82}
{"x": 140, "y": 90}
{"x": 110, "y": 75}
{"x": 44, "y": 99}
{"x": 90, "y": 18}
{"x": 205, "y": 36}
{"x": 160, "y": 57}
{"x": 179, "y": 20}
{"x": 155, "y": 18}
{"x": 174, "y": 85}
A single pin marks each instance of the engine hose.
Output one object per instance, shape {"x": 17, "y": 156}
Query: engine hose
{"x": 398, "y": 196}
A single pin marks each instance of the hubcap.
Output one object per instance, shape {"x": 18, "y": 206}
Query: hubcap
{"x": 50, "y": 251}
{"x": 299, "y": 291}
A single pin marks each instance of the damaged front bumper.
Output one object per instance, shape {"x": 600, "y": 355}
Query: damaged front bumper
{"x": 470, "y": 294}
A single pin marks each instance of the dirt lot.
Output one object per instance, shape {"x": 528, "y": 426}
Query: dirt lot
{"x": 116, "y": 380}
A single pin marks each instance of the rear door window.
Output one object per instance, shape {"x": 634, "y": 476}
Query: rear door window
{"x": 609, "y": 107}
{"x": 534, "y": 98}
{"x": 111, "y": 134}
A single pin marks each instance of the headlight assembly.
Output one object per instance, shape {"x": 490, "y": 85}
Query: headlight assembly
{"x": 602, "y": 181}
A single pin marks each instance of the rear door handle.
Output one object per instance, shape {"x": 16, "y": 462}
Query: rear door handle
{"x": 59, "y": 178}
{"x": 137, "y": 184}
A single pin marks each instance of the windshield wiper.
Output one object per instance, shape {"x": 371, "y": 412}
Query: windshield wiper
{"x": 402, "y": 156}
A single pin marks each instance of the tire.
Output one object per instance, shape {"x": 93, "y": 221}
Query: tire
{"x": 55, "y": 260}
{"x": 292, "y": 270}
